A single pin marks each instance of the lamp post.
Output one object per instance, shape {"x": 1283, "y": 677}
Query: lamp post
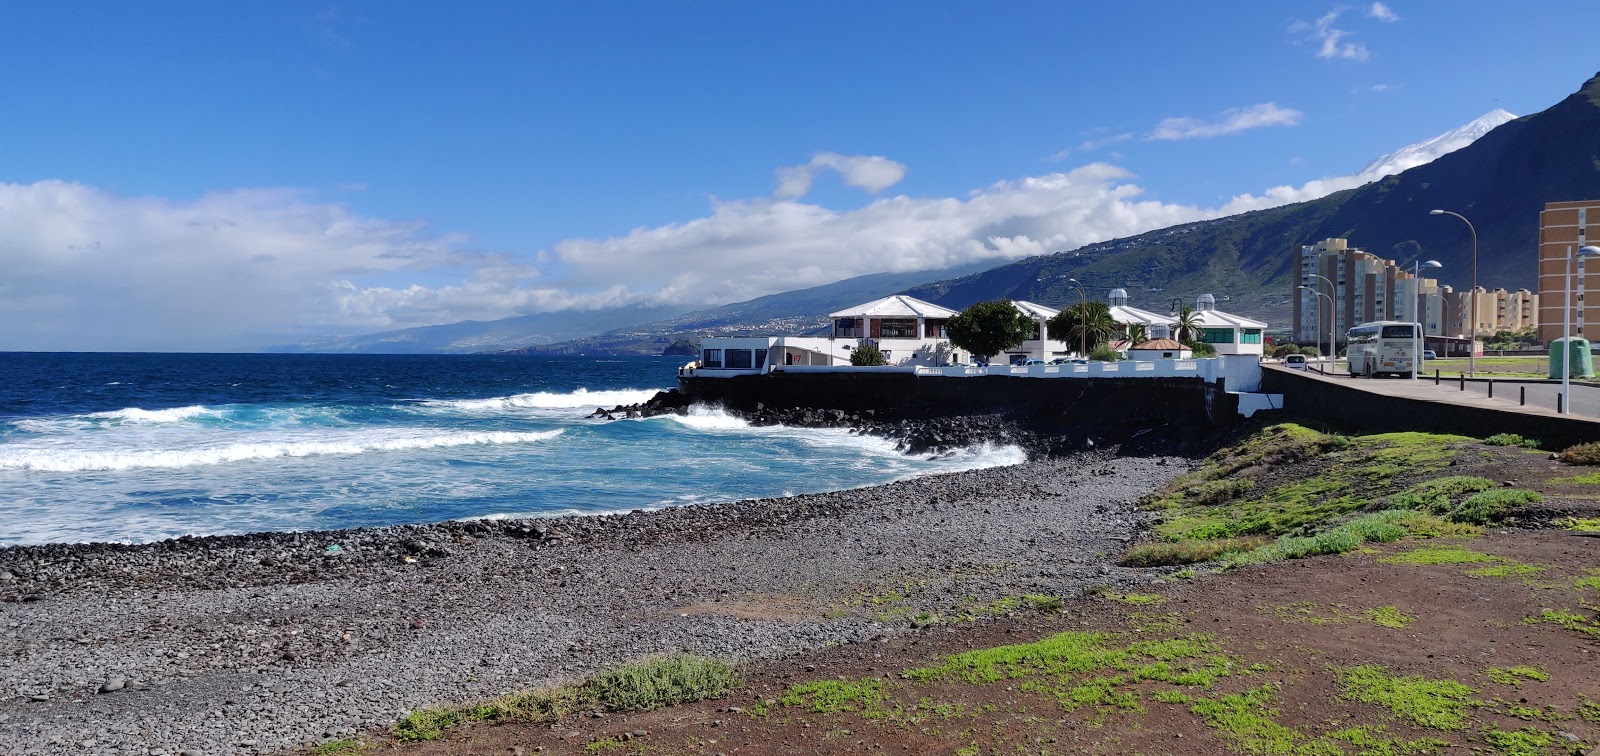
{"x": 1321, "y": 297}
{"x": 1333, "y": 315}
{"x": 1177, "y": 310}
{"x": 1416, "y": 336}
{"x": 1566, "y": 328}
{"x": 1083, "y": 322}
{"x": 1472, "y": 296}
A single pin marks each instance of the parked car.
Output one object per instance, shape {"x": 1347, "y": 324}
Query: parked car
{"x": 1034, "y": 362}
{"x": 1296, "y": 361}
{"x": 1428, "y": 354}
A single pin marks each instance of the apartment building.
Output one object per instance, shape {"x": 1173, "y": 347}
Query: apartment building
{"x": 1563, "y": 228}
{"x": 1362, "y": 288}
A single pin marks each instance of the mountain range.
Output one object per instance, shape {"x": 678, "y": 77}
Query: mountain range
{"x": 1497, "y": 171}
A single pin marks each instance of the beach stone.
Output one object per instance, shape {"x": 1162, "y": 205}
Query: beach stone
{"x": 113, "y": 684}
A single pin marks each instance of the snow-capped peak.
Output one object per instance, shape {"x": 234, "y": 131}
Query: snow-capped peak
{"x": 1426, "y": 152}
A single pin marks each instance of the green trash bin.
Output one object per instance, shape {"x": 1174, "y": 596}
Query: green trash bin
{"x": 1580, "y": 359}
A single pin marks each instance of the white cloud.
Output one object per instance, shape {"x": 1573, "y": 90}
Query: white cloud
{"x": 1383, "y": 13}
{"x": 83, "y": 268}
{"x": 1330, "y": 39}
{"x": 1232, "y": 122}
{"x": 870, "y": 172}
{"x": 1060, "y": 155}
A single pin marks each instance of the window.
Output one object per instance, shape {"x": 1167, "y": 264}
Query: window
{"x": 933, "y": 329}
{"x": 711, "y": 358}
{"x": 1216, "y": 335}
{"x": 739, "y": 359}
{"x": 1251, "y": 336}
{"x": 1406, "y": 331}
{"x": 899, "y": 328}
{"x": 847, "y": 328}
{"x": 761, "y": 358}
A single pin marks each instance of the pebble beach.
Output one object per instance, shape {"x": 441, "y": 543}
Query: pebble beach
{"x": 267, "y": 642}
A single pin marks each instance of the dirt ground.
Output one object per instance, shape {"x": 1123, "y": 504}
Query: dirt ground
{"x": 1290, "y": 629}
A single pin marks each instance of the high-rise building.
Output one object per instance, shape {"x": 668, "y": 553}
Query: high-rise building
{"x": 1362, "y": 286}
{"x": 1563, "y": 228}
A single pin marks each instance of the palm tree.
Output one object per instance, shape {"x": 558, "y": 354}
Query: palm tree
{"x": 1137, "y": 334}
{"x": 1089, "y": 326}
{"x": 1187, "y": 328}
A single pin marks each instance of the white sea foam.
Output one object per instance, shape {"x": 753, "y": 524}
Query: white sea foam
{"x": 170, "y": 415}
{"x": 705, "y": 418}
{"x": 63, "y": 460}
{"x": 546, "y": 400}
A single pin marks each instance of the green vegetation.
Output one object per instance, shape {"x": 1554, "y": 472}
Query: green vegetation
{"x": 988, "y": 328}
{"x": 1104, "y": 353}
{"x": 1379, "y": 527}
{"x": 648, "y": 684}
{"x": 1584, "y": 523}
{"x": 1590, "y": 580}
{"x": 1087, "y": 323}
{"x": 1489, "y": 506}
{"x": 1582, "y": 454}
{"x": 1388, "y": 616}
{"x": 867, "y": 355}
{"x": 1440, "y": 495}
{"x": 1506, "y": 570}
{"x": 663, "y": 681}
{"x": 1524, "y": 742}
{"x": 1132, "y": 599}
{"x": 609, "y": 745}
{"x": 1187, "y": 552}
{"x": 1570, "y": 620}
{"x": 1439, "y": 704}
{"x": 865, "y": 696}
{"x": 1515, "y": 675}
{"x": 341, "y": 748}
{"x": 1511, "y": 439}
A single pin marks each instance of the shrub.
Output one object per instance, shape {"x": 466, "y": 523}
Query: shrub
{"x": 1582, "y": 454}
{"x": 1104, "y": 353}
{"x": 663, "y": 681}
{"x": 1493, "y": 505}
{"x": 1201, "y": 349}
{"x": 866, "y": 355}
{"x": 1511, "y": 439}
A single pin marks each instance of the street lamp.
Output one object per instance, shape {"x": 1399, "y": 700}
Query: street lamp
{"x": 1472, "y": 296}
{"x": 1566, "y": 328}
{"x": 1319, "y": 312}
{"x": 1416, "y": 336}
{"x": 1083, "y": 319}
{"x": 1333, "y": 316}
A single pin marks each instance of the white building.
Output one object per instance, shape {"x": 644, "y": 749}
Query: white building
{"x": 1040, "y": 346}
{"x": 1228, "y": 334}
{"x": 908, "y": 331}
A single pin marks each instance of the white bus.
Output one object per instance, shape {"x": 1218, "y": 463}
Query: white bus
{"x": 1382, "y": 347}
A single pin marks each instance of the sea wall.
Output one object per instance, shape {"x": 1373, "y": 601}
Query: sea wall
{"x": 1116, "y": 404}
{"x": 1356, "y": 411}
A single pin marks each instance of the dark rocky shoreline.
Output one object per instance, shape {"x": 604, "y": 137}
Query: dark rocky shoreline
{"x": 252, "y": 643}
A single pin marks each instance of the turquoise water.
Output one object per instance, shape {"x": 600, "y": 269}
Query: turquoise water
{"x": 141, "y": 447}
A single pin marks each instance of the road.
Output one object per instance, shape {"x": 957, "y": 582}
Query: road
{"x": 1541, "y": 396}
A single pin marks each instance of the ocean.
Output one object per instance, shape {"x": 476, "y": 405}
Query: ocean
{"x": 142, "y": 447}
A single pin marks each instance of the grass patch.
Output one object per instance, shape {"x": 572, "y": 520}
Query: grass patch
{"x": 1431, "y": 555}
{"x": 1506, "y": 570}
{"x": 664, "y": 681}
{"x": 865, "y": 696}
{"x": 1511, "y": 439}
{"x": 1524, "y": 742}
{"x": 1583, "y": 523}
{"x": 1439, "y": 704}
{"x": 1378, "y": 527}
{"x": 1187, "y": 552}
{"x": 648, "y": 684}
{"x": 1133, "y": 599}
{"x": 1588, "y": 479}
{"x": 1573, "y": 621}
{"x": 340, "y": 748}
{"x": 1440, "y": 495}
{"x": 1515, "y": 675}
{"x": 1388, "y": 616}
{"x": 1590, "y": 580}
{"x": 611, "y": 745}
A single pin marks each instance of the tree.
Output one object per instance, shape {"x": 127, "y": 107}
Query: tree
{"x": 1187, "y": 327}
{"x": 866, "y": 355}
{"x": 988, "y": 328}
{"x": 1087, "y": 325}
{"x": 1201, "y": 349}
{"x": 1104, "y": 353}
{"x": 1137, "y": 334}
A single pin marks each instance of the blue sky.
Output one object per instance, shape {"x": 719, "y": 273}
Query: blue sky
{"x": 226, "y": 175}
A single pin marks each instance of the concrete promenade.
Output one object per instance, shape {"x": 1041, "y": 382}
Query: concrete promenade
{"x": 1508, "y": 392}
